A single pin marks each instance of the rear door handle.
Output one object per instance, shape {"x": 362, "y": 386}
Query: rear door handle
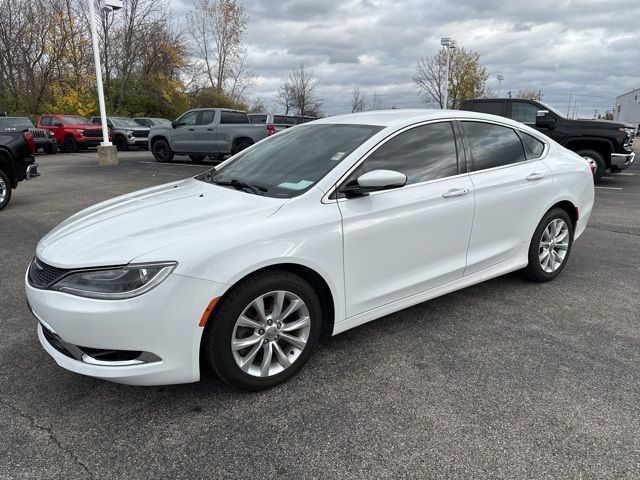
{"x": 535, "y": 176}
{"x": 456, "y": 192}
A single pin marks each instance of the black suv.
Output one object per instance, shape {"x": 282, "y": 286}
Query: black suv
{"x": 604, "y": 144}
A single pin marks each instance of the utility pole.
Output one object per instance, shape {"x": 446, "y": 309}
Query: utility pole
{"x": 500, "y": 79}
{"x": 569, "y": 107}
{"x": 447, "y": 43}
{"x": 107, "y": 153}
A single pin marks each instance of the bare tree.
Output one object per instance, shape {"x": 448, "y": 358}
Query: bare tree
{"x": 241, "y": 78}
{"x": 376, "y": 102}
{"x": 358, "y": 100}
{"x": 285, "y": 97}
{"x": 530, "y": 93}
{"x": 300, "y": 92}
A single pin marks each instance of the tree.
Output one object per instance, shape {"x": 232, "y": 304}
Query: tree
{"x": 530, "y": 93}
{"x": 300, "y": 92}
{"x": 467, "y": 77}
{"x": 358, "y": 100}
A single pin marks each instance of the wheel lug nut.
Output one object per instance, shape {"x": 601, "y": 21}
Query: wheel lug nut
{"x": 269, "y": 322}
{"x": 277, "y": 337}
{"x": 261, "y": 331}
{"x": 279, "y": 325}
{"x": 265, "y": 341}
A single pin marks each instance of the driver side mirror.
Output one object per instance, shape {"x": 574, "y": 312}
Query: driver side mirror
{"x": 544, "y": 119}
{"x": 176, "y": 123}
{"x": 374, "y": 181}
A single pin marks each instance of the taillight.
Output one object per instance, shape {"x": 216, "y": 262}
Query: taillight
{"x": 271, "y": 130}
{"x": 31, "y": 143}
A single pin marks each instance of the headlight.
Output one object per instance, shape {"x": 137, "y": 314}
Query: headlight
{"x": 117, "y": 283}
{"x": 80, "y": 131}
{"x": 129, "y": 133}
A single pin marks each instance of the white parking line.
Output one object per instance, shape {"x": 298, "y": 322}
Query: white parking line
{"x": 611, "y": 188}
{"x": 625, "y": 174}
{"x": 179, "y": 164}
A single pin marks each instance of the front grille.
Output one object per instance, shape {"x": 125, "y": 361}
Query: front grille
{"x": 93, "y": 133}
{"x": 39, "y": 133}
{"x": 56, "y": 342}
{"x": 42, "y": 275}
{"x": 141, "y": 133}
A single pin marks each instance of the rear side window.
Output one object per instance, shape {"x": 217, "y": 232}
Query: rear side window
{"x": 423, "y": 153}
{"x": 493, "y": 108}
{"x": 532, "y": 146}
{"x": 234, "y": 117}
{"x": 258, "y": 118}
{"x": 524, "y": 112}
{"x": 206, "y": 117}
{"x": 45, "y": 122}
{"x": 493, "y": 145}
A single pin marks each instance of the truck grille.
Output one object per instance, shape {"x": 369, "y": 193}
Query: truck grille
{"x": 141, "y": 133}
{"x": 39, "y": 133}
{"x": 42, "y": 275}
{"x": 93, "y": 133}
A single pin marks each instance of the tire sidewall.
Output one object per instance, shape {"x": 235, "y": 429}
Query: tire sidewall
{"x": 534, "y": 260}
{"x": 70, "y": 145}
{"x": 601, "y": 165}
{"x": 159, "y": 158}
{"x": 241, "y": 146}
{"x": 7, "y": 197}
{"x": 121, "y": 143}
{"x": 219, "y": 330}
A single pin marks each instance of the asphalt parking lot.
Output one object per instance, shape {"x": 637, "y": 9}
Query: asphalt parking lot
{"x": 507, "y": 379}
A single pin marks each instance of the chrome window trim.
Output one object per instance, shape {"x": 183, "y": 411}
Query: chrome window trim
{"x": 325, "y": 198}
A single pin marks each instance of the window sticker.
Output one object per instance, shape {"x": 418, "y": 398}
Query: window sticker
{"x": 296, "y": 186}
{"x": 338, "y": 156}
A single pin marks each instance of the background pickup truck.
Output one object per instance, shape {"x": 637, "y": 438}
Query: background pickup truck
{"x": 72, "y": 132}
{"x": 16, "y": 162}
{"x": 205, "y": 131}
{"x": 604, "y": 144}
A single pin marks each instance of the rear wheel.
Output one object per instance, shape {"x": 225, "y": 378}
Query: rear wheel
{"x": 263, "y": 330}
{"x": 240, "y": 145}
{"x": 5, "y": 190}
{"x": 161, "y": 151}
{"x": 596, "y": 160}
{"x": 550, "y": 246}
{"x": 197, "y": 158}
{"x": 70, "y": 145}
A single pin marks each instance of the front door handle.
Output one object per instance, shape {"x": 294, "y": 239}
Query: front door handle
{"x": 456, "y": 192}
{"x": 191, "y": 129}
{"x": 210, "y": 129}
{"x": 535, "y": 176}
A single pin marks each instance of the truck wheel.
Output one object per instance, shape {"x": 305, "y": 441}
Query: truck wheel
{"x": 240, "y": 145}
{"x": 121, "y": 144}
{"x": 70, "y": 145}
{"x": 161, "y": 151}
{"x": 216, "y": 157}
{"x": 5, "y": 190}
{"x": 51, "y": 148}
{"x": 197, "y": 158}
{"x": 595, "y": 159}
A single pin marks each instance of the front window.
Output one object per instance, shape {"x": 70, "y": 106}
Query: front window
{"x": 69, "y": 120}
{"x": 15, "y": 122}
{"x": 291, "y": 162}
{"x": 524, "y": 112}
{"x": 551, "y": 109}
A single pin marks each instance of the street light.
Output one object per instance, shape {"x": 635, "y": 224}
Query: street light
{"x": 500, "y": 79}
{"x": 447, "y": 43}
{"x": 107, "y": 153}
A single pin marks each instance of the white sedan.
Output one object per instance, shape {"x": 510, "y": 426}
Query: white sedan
{"x": 320, "y": 228}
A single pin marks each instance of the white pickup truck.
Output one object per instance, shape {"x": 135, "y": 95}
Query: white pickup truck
{"x": 203, "y": 132}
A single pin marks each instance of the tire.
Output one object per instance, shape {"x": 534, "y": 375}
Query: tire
{"x": 162, "y": 151}
{"x": 594, "y": 158}
{"x": 5, "y": 190}
{"x": 51, "y": 148}
{"x": 221, "y": 329}
{"x": 121, "y": 143}
{"x": 240, "y": 145}
{"x": 70, "y": 145}
{"x": 217, "y": 157}
{"x": 197, "y": 158}
{"x": 537, "y": 270}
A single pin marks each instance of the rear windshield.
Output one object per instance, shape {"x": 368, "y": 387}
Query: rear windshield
{"x": 291, "y": 162}
{"x": 258, "y": 118}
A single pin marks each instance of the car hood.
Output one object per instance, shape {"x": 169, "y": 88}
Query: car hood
{"x": 117, "y": 231}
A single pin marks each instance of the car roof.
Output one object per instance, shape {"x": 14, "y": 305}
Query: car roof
{"x": 217, "y": 108}
{"x": 399, "y": 117}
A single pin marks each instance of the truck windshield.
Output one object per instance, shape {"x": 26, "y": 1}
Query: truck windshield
{"x": 291, "y": 162}
{"x": 124, "y": 122}
{"x": 15, "y": 122}
{"x": 69, "y": 120}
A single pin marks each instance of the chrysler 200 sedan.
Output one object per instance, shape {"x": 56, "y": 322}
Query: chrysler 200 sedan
{"x": 319, "y": 228}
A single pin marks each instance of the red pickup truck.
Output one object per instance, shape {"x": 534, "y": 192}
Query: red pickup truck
{"x": 73, "y": 133}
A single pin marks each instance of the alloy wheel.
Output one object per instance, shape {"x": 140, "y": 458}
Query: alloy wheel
{"x": 270, "y": 333}
{"x": 3, "y": 190}
{"x": 554, "y": 245}
{"x": 592, "y": 163}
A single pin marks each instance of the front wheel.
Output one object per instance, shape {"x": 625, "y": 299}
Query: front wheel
{"x": 596, "y": 161}
{"x": 263, "y": 330}
{"x": 5, "y": 190}
{"x": 121, "y": 144}
{"x": 161, "y": 151}
{"x": 70, "y": 145}
{"x": 550, "y": 246}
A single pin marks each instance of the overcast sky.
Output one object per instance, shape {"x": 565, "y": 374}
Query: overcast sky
{"x": 590, "y": 48}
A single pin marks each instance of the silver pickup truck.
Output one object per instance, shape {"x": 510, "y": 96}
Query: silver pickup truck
{"x": 203, "y": 132}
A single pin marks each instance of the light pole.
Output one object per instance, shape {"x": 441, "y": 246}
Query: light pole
{"x": 500, "y": 79}
{"x": 447, "y": 43}
{"x": 107, "y": 153}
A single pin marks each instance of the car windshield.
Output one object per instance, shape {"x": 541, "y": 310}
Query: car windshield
{"x": 124, "y": 122}
{"x": 15, "y": 122}
{"x": 291, "y": 162}
{"x": 69, "y": 120}
{"x": 554, "y": 110}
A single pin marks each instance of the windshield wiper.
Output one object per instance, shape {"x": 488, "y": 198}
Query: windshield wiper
{"x": 242, "y": 186}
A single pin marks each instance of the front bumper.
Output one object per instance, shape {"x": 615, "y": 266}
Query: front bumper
{"x": 87, "y": 142}
{"x": 138, "y": 141}
{"x": 161, "y": 327}
{"x": 31, "y": 172}
{"x": 622, "y": 160}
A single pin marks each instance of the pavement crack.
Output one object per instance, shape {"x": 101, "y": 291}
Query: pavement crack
{"x": 52, "y": 436}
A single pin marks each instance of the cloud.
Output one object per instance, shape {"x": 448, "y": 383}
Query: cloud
{"x": 588, "y": 48}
